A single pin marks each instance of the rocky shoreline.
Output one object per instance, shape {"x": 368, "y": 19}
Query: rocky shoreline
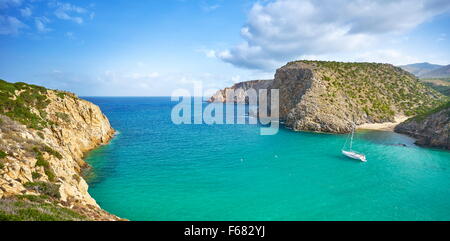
{"x": 330, "y": 97}
{"x": 43, "y": 143}
{"x": 430, "y": 129}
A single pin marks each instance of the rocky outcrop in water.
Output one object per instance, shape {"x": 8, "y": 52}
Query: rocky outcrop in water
{"x": 430, "y": 129}
{"x": 325, "y": 96}
{"x": 44, "y": 135}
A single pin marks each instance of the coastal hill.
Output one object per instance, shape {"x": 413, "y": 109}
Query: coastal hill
{"x": 435, "y": 76}
{"x": 443, "y": 72}
{"x": 420, "y": 69}
{"x": 44, "y": 135}
{"x": 431, "y": 128}
{"x": 324, "y": 96}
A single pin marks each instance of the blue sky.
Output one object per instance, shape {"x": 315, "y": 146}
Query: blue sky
{"x": 150, "y": 48}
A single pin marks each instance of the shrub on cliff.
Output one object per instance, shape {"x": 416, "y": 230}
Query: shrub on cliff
{"x": 17, "y": 100}
{"x": 46, "y": 188}
{"x": 2, "y": 154}
{"x": 35, "y": 208}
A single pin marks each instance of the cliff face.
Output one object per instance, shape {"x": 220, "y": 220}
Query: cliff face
{"x": 44, "y": 135}
{"x": 430, "y": 129}
{"x": 330, "y": 96}
{"x": 220, "y": 96}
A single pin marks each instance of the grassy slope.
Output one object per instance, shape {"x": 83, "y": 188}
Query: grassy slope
{"x": 25, "y": 103}
{"x": 424, "y": 115}
{"x": 35, "y": 208}
{"x": 441, "y": 85}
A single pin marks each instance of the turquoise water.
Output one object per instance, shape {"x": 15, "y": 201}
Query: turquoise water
{"x": 155, "y": 170}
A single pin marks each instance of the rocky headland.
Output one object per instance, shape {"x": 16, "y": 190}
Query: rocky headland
{"x": 323, "y": 96}
{"x": 44, "y": 135}
{"x": 430, "y": 129}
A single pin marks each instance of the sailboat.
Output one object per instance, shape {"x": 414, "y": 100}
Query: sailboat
{"x": 351, "y": 153}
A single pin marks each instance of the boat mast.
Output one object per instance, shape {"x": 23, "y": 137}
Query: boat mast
{"x": 351, "y": 140}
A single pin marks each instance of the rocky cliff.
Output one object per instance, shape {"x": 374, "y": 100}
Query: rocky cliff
{"x": 240, "y": 97}
{"x": 325, "y": 96}
{"x": 430, "y": 129}
{"x": 44, "y": 135}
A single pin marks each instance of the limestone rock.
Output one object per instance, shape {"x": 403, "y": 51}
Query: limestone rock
{"x": 430, "y": 130}
{"x": 54, "y": 153}
{"x": 331, "y": 97}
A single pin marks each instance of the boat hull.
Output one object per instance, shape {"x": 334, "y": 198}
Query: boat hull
{"x": 355, "y": 156}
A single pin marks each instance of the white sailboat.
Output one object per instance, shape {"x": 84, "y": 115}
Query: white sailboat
{"x": 351, "y": 153}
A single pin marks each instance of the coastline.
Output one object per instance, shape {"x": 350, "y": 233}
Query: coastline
{"x": 87, "y": 166}
{"x": 385, "y": 126}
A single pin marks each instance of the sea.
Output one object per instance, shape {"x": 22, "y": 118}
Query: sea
{"x": 157, "y": 170}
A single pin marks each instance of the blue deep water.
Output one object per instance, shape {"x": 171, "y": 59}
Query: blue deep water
{"x": 156, "y": 170}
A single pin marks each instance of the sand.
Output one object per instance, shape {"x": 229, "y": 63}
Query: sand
{"x": 386, "y": 126}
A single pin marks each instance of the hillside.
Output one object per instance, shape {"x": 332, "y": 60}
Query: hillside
{"x": 44, "y": 135}
{"x": 442, "y": 72}
{"x": 420, "y": 69}
{"x": 431, "y": 128}
{"x": 441, "y": 85}
{"x": 329, "y": 96}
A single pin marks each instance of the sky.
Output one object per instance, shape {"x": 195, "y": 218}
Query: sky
{"x": 153, "y": 47}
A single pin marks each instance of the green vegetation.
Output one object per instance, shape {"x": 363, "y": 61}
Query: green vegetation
{"x": 36, "y": 208}
{"x": 44, "y": 163}
{"x": 63, "y": 116}
{"x": 3, "y": 154}
{"x": 45, "y": 188}
{"x": 35, "y": 175}
{"x": 17, "y": 100}
{"x": 441, "y": 85}
{"x": 431, "y": 79}
{"x": 379, "y": 90}
{"x": 61, "y": 95}
{"x": 26, "y": 104}
{"x": 424, "y": 115}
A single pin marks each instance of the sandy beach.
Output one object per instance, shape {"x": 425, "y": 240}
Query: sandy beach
{"x": 386, "y": 126}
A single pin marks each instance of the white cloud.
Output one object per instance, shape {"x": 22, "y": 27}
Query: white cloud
{"x": 67, "y": 11}
{"x": 70, "y": 35}
{"x": 26, "y": 12}
{"x": 236, "y": 79}
{"x": 137, "y": 76}
{"x": 392, "y": 56}
{"x": 282, "y": 30}
{"x": 10, "y": 3}
{"x": 41, "y": 24}
{"x": 210, "y": 53}
{"x": 210, "y": 8}
{"x": 442, "y": 37}
{"x": 10, "y": 25}
{"x": 21, "y": 11}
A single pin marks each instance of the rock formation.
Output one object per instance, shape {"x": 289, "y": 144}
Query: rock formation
{"x": 325, "y": 96}
{"x": 44, "y": 135}
{"x": 430, "y": 129}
